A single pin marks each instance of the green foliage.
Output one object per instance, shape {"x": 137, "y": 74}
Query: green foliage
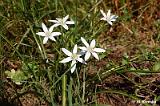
{"x": 30, "y": 67}
{"x": 20, "y": 20}
{"x": 20, "y": 76}
{"x": 125, "y": 59}
{"x": 156, "y": 66}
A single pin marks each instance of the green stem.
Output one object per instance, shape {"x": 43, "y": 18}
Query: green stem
{"x": 84, "y": 83}
{"x": 78, "y": 88}
{"x": 40, "y": 49}
{"x": 50, "y": 89}
{"x": 70, "y": 92}
{"x": 17, "y": 47}
{"x": 12, "y": 46}
{"x": 64, "y": 97}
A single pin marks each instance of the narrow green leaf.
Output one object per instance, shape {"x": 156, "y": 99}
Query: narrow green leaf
{"x": 156, "y": 66}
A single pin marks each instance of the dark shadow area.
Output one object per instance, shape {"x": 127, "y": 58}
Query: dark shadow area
{"x": 6, "y": 103}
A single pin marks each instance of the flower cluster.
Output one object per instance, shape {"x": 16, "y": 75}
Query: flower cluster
{"x": 87, "y": 50}
{"x": 49, "y": 34}
{"x": 75, "y": 56}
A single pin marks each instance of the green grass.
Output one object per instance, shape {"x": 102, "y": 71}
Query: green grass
{"x": 132, "y": 51}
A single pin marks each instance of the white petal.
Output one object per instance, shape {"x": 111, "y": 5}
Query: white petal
{"x": 68, "y": 53}
{"x": 84, "y": 42}
{"x": 41, "y": 34}
{"x": 93, "y": 43}
{"x": 70, "y": 22}
{"x": 45, "y": 40}
{"x": 81, "y": 60}
{"x": 98, "y": 50}
{"x": 68, "y": 59}
{"x": 44, "y": 27}
{"x": 108, "y": 13}
{"x": 52, "y": 38}
{"x": 95, "y": 55}
{"x": 103, "y": 19}
{"x": 54, "y": 21}
{"x": 56, "y": 25}
{"x": 73, "y": 65}
{"x": 83, "y": 48}
{"x": 82, "y": 52}
{"x": 113, "y": 19}
{"x": 55, "y": 33}
{"x": 65, "y": 26}
{"x": 65, "y": 18}
{"x": 59, "y": 19}
{"x": 88, "y": 54}
{"x": 51, "y": 28}
{"x": 75, "y": 49}
{"x": 114, "y": 16}
{"x": 104, "y": 15}
{"x": 109, "y": 22}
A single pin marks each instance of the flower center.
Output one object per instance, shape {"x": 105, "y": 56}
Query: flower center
{"x": 48, "y": 33}
{"x": 90, "y": 49}
{"x": 74, "y": 56}
{"x": 61, "y": 22}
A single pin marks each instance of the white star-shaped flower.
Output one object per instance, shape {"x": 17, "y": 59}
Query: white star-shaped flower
{"x": 48, "y": 34}
{"x": 90, "y": 49}
{"x": 62, "y": 21}
{"x": 109, "y": 17}
{"x": 74, "y": 57}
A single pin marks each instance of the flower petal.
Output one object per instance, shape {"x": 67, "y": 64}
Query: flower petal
{"x": 88, "y": 54}
{"x": 81, "y": 60}
{"x": 52, "y": 38}
{"x": 65, "y": 18}
{"x": 59, "y": 19}
{"x": 51, "y": 28}
{"x": 65, "y": 26}
{"x": 102, "y": 12}
{"x": 54, "y": 21}
{"x": 83, "y": 48}
{"x": 44, "y": 27}
{"x": 82, "y": 52}
{"x": 93, "y": 43}
{"x": 103, "y": 19}
{"x": 41, "y": 34}
{"x": 55, "y": 33}
{"x": 56, "y": 25}
{"x": 75, "y": 49}
{"x": 109, "y": 22}
{"x": 68, "y": 53}
{"x": 69, "y": 22}
{"x": 73, "y": 65}
{"x": 95, "y": 55}
{"x": 45, "y": 40}
{"x": 68, "y": 59}
{"x": 108, "y": 13}
{"x": 113, "y": 17}
{"x": 98, "y": 50}
{"x": 84, "y": 42}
